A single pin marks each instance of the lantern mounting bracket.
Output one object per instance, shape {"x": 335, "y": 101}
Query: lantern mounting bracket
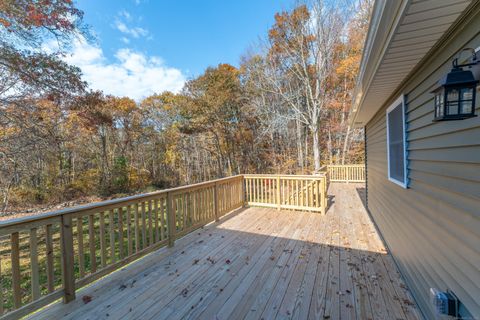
{"x": 473, "y": 58}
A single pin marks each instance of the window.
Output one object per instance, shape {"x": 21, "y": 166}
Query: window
{"x": 396, "y": 144}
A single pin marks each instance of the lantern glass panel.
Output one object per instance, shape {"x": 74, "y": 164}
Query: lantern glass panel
{"x": 466, "y": 100}
{"x": 466, "y": 106}
{"x": 440, "y": 104}
{"x": 467, "y": 94}
{"x": 452, "y": 101}
{"x": 452, "y": 94}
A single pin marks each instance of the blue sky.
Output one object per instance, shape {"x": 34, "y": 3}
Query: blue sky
{"x": 146, "y": 46}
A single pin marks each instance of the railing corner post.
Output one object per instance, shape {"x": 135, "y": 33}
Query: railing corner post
{"x": 323, "y": 196}
{"x": 67, "y": 259}
{"x": 171, "y": 220}
{"x": 215, "y": 201}
{"x": 279, "y": 201}
{"x": 244, "y": 188}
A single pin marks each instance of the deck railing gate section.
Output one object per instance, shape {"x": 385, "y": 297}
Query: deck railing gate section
{"x": 49, "y": 256}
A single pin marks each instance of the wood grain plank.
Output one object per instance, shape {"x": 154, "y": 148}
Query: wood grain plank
{"x": 91, "y": 243}
{"x": 81, "y": 255}
{"x": 103, "y": 241}
{"x": 34, "y": 269}
{"x": 15, "y": 262}
{"x": 49, "y": 257}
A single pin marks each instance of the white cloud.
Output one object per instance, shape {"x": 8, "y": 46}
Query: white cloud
{"x": 135, "y": 32}
{"x": 125, "y": 14}
{"x": 133, "y": 74}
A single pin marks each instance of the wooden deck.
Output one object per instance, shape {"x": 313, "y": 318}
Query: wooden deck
{"x": 258, "y": 263}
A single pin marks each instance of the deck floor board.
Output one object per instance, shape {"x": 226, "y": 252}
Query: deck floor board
{"x": 259, "y": 263}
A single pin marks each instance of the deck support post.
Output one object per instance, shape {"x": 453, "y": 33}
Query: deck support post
{"x": 244, "y": 187}
{"x": 279, "y": 202}
{"x": 215, "y": 201}
{"x": 67, "y": 259}
{"x": 171, "y": 220}
{"x": 323, "y": 194}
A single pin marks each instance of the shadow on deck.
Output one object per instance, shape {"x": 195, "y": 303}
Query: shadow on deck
{"x": 258, "y": 263}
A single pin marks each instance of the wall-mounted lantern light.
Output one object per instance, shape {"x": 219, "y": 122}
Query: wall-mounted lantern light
{"x": 455, "y": 95}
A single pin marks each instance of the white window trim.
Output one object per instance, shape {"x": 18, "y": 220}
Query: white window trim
{"x": 401, "y": 100}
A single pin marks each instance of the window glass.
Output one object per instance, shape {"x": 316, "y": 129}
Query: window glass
{"x": 396, "y": 143}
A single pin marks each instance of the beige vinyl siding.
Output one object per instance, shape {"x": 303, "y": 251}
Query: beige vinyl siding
{"x": 433, "y": 227}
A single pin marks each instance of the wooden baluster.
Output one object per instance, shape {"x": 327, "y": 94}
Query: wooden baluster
{"x": 103, "y": 245}
{"x": 35, "y": 276}
{"x": 137, "y": 229}
{"x": 194, "y": 206}
{"x": 170, "y": 220}
{"x": 323, "y": 196}
{"x": 176, "y": 209}
{"x": 268, "y": 192}
{"x": 204, "y": 204}
{"x": 208, "y": 203}
{"x": 49, "y": 257}
{"x": 279, "y": 201}
{"x": 120, "y": 232}
{"x": 264, "y": 190}
{"x": 215, "y": 201}
{"x": 81, "y": 256}
{"x": 228, "y": 191}
{"x": 243, "y": 196}
{"x": 1, "y": 289}
{"x": 150, "y": 223}
{"x": 155, "y": 215}
{"x": 260, "y": 190}
{"x": 312, "y": 192}
{"x": 185, "y": 210}
{"x": 144, "y": 226}
{"x": 17, "y": 294}
{"x": 112, "y": 235}
{"x": 302, "y": 192}
{"x": 91, "y": 242}
{"x": 67, "y": 259}
{"x": 296, "y": 193}
{"x": 307, "y": 192}
{"x": 129, "y": 230}
{"x": 162, "y": 220}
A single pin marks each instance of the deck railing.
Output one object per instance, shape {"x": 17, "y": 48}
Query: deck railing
{"x": 49, "y": 256}
{"x": 346, "y": 173}
{"x": 287, "y": 191}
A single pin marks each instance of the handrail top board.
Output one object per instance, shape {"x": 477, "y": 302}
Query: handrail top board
{"x": 311, "y": 176}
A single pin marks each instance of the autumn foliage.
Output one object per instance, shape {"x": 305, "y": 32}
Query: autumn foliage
{"x": 281, "y": 110}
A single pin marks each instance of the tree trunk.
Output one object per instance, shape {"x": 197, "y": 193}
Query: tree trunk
{"x": 316, "y": 149}
{"x": 345, "y": 145}
{"x": 329, "y": 147}
{"x": 300, "y": 160}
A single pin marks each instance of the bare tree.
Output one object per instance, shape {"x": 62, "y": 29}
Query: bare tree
{"x": 299, "y": 68}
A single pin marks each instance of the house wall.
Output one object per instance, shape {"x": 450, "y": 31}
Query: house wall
{"x": 433, "y": 227}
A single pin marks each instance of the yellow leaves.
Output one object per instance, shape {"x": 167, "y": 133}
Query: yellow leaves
{"x": 8, "y": 131}
{"x": 349, "y": 65}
